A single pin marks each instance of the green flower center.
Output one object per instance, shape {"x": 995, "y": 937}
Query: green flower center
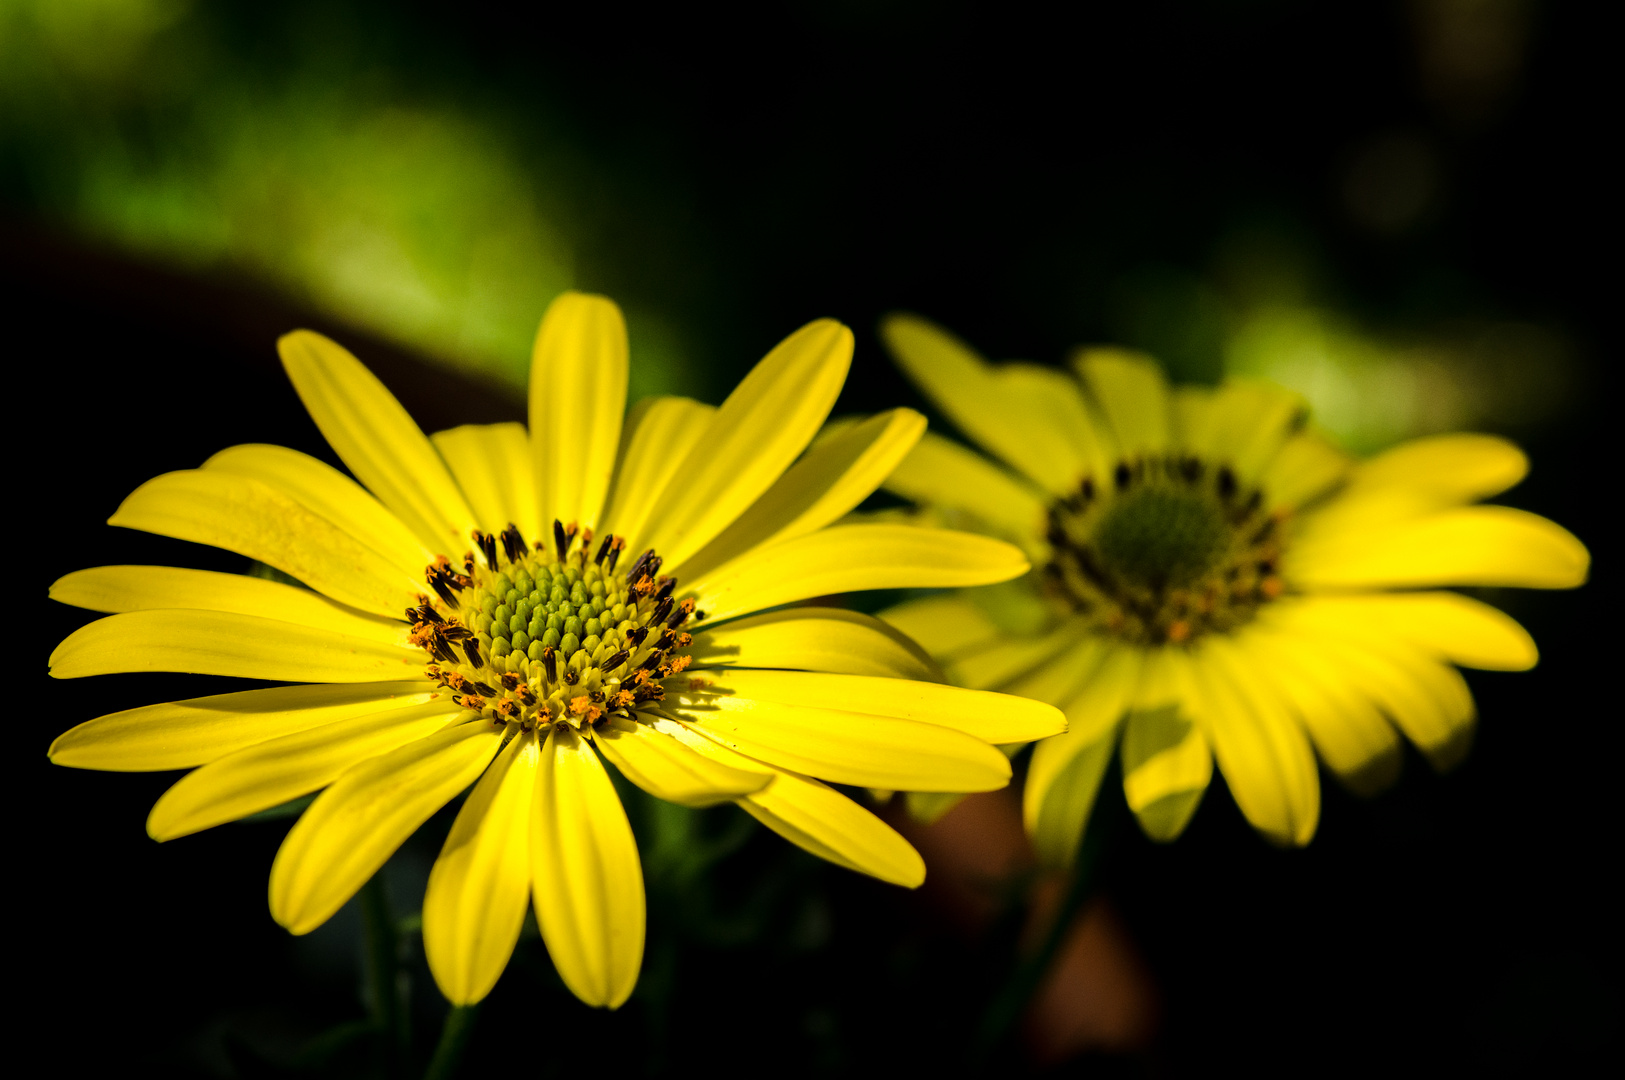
{"x": 1169, "y": 549}
{"x": 547, "y": 634}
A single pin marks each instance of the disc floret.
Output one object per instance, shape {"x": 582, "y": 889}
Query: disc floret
{"x": 553, "y": 633}
{"x": 1168, "y": 549}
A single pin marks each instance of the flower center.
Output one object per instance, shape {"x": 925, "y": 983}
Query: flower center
{"x": 1170, "y": 549}
{"x": 549, "y": 634}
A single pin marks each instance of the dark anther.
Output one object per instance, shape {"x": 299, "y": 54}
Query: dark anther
{"x": 661, "y": 611}
{"x": 468, "y": 563}
{"x": 1227, "y": 483}
{"x": 471, "y": 649}
{"x": 1191, "y": 469}
{"x": 440, "y": 581}
{"x": 513, "y": 543}
{"x": 484, "y": 690}
{"x": 1088, "y": 489}
{"x": 636, "y": 572}
{"x": 603, "y": 549}
{"x": 614, "y": 662}
{"x": 443, "y": 653}
{"x": 596, "y": 697}
{"x": 650, "y": 662}
{"x": 571, "y": 676}
{"x": 678, "y": 618}
{"x": 550, "y": 663}
{"x": 561, "y": 542}
{"x": 665, "y": 589}
{"x": 655, "y": 562}
{"x": 615, "y": 548}
{"x": 1121, "y": 475}
{"x": 510, "y": 680}
{"x": 668, "y": 638}
{"x": 488, "y": 547}
{"x": 456, "y": 632}
{"x": 1253, "y": 503}
{"x": 635, "y": 636}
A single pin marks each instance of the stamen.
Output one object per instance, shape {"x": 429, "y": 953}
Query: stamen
{"x": 513, "y": 543}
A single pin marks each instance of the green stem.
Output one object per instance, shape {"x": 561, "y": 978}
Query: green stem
{"x": 382, "y": 972}
{"x": 448, "y": 1055}
{"x": 1006, "y": 1008}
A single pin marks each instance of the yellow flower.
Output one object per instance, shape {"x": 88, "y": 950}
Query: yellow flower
{"x": 502, "y": 609}
{"x": 1214, "y": 581}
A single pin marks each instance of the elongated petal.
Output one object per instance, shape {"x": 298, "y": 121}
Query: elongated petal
{"x": 765, "y": 423}
{"x": 815, "y": 639}
{"x": 656, "y": 440}
{"x": 1455, "y": 469}
{"x": 994, "y": 718}
{"x": 1133, "y": 396}
{"x": 328, "y": 493}
{"x": 578, "y": 373}
{"x": 944, "y": 474}
{"x": 1244, "y": 425}
{"x": 378, "y": 441}
{"x": 849, "y": 558}
{"x": 1474, "y": 545}
{"x": 1265, "y": 757}
{"x": 356, "y": 824}
{"x": 475, "y": 904}
{"x": 222, "y": 643}
{"x": 586, "y": 880}
{"x": 842, "y": 746}
{"x": 182, "y": 734}
{"x": 995, "y": 412}
{"x": 139, "y": 588}
{"x": 1459, "y": 629}
{"x": 945, "y": 626}
{"x": 831, "y": 478}
{"x": 668, "y": 769}
{"x": 1059, "y": 678}
{"x": 252, "y": 518}
{"x": 270, "y": 773}
{"x": 1305, "y": 468}
{"x": 1071, "y": 434}
{"x": 1167, "y": 762}
{"x": 994, "y": 665}
{"x": 828, "y": 824}
{"x": 1064, "y": 775}
{"x": 492, "y": 464}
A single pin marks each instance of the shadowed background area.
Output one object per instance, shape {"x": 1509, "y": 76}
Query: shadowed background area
{"x": 1399, "y": 210}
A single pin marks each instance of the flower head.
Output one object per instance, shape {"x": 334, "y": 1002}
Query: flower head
{"x": 1213, "y": 580}
{"x": 506, "y": 609}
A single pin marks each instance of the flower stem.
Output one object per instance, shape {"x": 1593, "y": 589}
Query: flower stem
{"x": 383, "y": 974}
{"x": 448, "y": 1055}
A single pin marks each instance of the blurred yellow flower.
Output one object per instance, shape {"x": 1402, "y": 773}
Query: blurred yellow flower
{"x": 1213, "y": 580}
{"x": 501, "y": 609}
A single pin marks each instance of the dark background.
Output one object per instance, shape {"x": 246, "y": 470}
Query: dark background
{"x": 1035, "y": 182}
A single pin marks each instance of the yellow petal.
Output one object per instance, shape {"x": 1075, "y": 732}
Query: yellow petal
{"x": 139, "y": 588}
{"x": 994, "y": 718}
{"x": 222, "y": 643}
{"x": 850, "y": 558}
{"x": 378, "y": 441}
{"x": 328, "y": 493}
{"x": 763, "y": 426}
{"x": 1064, "y": 775}
{"x": 1306, "y": 467}
{"x": 1474, "y": 545}
{"x": 182, "y": 734}
{"x": 1449, "y": 625}
{"x": 1167, "y": 763}
{"x": 657, "y": 437}
{"x": 1455, "y": 468}
{"x": 587, "y": 882}
{"x": 833, "y": 827}
{"x": 1010, "y": 415}
{"x": 1069, "y": 432}
{"x": 943, "y": 474}
{"x": 815, "y": 639}
{"x": 1057, "y": 680}
{"x": 944, "y": 626}
{"x": 578, "y": 373}
{"x": 1244, "y": 425}
{"x": 252, "y": 518}
{"x": 668, "y": 769}
{"x": 475, "y": 904}
{"x": 1133, "y": 396}
{"x": 491, "y": 463}
{"x": 841, "y": 746}
{"x": 1348, "y": 731}
{"x": 994, "y": 665}
{"x": 1265, "y": 757}
{"x": 833, "y": 476}
{"x": 270, "y": 773}
{"x": 356, "y": 824}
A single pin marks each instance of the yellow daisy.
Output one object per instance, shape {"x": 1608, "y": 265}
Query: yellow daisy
{"x": 504, "y": 609}
{"x": 1214, "y": 581}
